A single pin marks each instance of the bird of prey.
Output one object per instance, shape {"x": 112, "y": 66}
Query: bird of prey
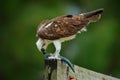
{"x": 62, "y": 29}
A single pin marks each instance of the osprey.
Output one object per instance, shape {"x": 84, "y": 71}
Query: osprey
{"x": 62, "y": 29}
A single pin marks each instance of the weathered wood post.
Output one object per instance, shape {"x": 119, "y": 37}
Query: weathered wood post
{"x": 58, "y": 70}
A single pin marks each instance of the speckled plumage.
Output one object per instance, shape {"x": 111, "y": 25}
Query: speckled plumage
{"x": 65, "y": 26}
{"x": 61, "y": 27}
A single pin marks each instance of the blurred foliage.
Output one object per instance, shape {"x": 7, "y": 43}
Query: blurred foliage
{"x": 97, "y": 49}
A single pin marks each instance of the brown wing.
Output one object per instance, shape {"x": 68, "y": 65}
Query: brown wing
{"x": 66, "y": 26}
{"x": 61, "y": 27}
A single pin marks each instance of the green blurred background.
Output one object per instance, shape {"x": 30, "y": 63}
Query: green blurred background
{"x": 97, "y": 49}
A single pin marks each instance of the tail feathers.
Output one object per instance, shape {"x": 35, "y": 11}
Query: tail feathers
{"x": 93, "y": 15}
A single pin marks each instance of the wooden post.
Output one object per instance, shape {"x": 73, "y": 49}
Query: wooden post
{"x": 58, "y": 70}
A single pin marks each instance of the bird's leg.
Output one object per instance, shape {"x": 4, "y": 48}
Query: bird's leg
{"x": 57, "y": 45}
